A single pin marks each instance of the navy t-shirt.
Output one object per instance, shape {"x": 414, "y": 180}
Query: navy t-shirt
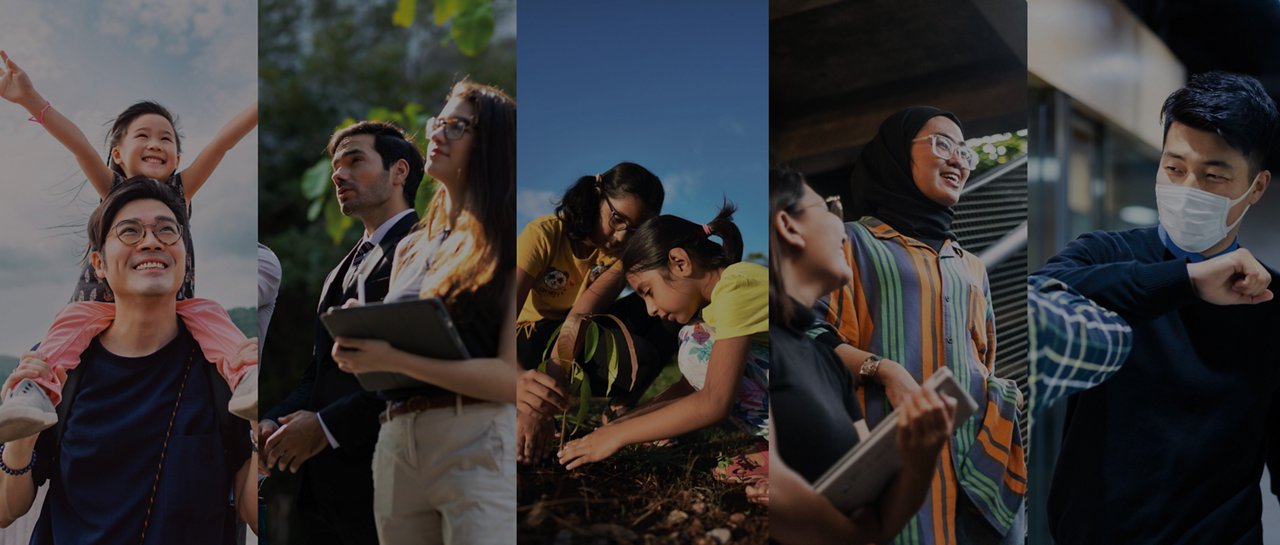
{"x": 102, "y": 477}
{"x": 1171, "y": 448}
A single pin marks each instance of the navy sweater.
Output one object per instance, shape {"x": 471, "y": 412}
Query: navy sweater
{"x": 1171, "y": 448}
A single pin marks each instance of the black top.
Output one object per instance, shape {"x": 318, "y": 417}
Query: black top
{"x": 1171, "y": 448}
{"x": 101, "y": 475}
{"x": 813, "y": 398}
{"x": 477, "y": 316}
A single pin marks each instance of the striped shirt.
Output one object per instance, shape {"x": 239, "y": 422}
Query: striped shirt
{"x": 1075, "y": 344}
{"x": 927, "y": 309}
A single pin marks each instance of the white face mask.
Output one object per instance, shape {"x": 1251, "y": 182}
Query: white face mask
{"x": 1196, "y": 219}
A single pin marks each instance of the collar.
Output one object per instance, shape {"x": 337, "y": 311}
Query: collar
{"x": 381, "y": 231}
{"x": 882, "y": 230}
{"x": 1192, "y": 256}
{"x": 802, "y": 316}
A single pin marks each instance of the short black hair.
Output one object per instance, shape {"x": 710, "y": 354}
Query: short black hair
{"x": 392, "y": 144}
{"x": 133, "y": 189}
{"x": 1233, "y": 106}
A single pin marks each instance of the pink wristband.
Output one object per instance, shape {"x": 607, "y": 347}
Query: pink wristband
{"x": 38, "y": 119}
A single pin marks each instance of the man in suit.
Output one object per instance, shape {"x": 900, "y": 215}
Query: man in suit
{"x": 328, "y": 426}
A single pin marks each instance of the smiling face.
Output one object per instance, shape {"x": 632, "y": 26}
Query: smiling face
{"x": 619, "y": 217}
{"x": 1204, "y": 160}
{"x": 149, "y": 268}
{"x": 447, "y": 159}
{"x": 148, "y": 148}
{"x": 362, "y": 184}
{"x": 818, "y": 238}
{"x": 939, "y": 179}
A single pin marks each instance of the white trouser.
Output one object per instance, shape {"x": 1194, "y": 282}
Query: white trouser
{"x": 447, "y": 476}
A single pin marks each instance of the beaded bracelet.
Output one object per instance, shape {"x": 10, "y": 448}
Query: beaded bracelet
{"x": 38, "y": 119}
{"x": 16, "y": 472}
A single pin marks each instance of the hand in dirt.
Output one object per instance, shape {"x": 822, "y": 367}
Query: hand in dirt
{"x": 758, "y": 492}
{"x": 534, "y": 438}
{"x": 596, "y": 446}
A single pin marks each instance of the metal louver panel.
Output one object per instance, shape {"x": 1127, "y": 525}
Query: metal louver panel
{"x": 992, "y": 207}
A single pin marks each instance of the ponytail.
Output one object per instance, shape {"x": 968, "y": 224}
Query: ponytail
{"x": 650, "y": 245}
{"x": 579, "y": 207}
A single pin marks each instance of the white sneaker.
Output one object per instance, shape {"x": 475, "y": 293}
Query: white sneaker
{"x": 244, "y": 400}
{"x": 25, "y": 412}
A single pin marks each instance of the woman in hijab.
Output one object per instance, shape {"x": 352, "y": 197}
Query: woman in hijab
{"x": 918, "y": 302}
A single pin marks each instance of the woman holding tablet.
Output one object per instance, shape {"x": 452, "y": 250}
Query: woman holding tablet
{"x": 813, "y": 394}
{"x": 444, "y": 468}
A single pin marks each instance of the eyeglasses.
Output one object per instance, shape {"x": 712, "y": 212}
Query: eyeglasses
{"x": 832, "y": 203}
{"x": 945, "y": 148}
{"x": 454, "y": 127}
{"x": 131, "y": 232}
{"x": 616, "y": 221}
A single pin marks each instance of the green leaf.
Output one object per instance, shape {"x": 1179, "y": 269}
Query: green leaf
{"x": 611, "y": 359}
{"x": 378, "y": 113}
{"x": 444, "y": 10}
{"x": 473, "y": 28}
{"x": 313, "y": 211}
{"x": 592, "y": 340}
{"x": 584, "y": 402}
{"x": 403, "y": 17}
{"x": 425, "y": 192}
{"x": 316, "y": 180}
{"x": 412, "y": 111}
{"x": 335, "y": 222}
{"x": 546, "y": 354}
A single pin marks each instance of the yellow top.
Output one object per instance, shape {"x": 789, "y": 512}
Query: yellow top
{"x": 545, "y": 252}
{"x": 740, "y": 303}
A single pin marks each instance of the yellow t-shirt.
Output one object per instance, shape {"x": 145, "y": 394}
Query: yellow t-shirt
{"x": 544, "y": 251}
{"x": 740, "y": 303}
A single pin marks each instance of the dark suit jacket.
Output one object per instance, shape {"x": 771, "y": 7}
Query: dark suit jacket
{"x": 337, "y": 484}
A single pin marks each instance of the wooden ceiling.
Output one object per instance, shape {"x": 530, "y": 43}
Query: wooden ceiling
{"x": 837, "y": 69}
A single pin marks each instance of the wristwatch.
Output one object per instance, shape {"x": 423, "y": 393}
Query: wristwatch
{"x": 869, "y": 367}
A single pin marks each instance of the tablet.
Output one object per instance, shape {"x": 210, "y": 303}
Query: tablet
{"x": 860, "y": 476}
{"x": 421, "y": 327}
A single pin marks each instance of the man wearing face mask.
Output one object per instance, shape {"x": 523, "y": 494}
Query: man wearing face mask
{"x": 1171, "y": 448}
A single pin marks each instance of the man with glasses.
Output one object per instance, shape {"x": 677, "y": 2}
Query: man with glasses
{"x": 141, "y": 451}
{"x": 1170, "y": 448}
{"x": 327, "y": 427}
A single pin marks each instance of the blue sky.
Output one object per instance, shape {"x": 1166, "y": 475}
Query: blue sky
{"x": 680, "y": 89}
{"x": 91, "y": 59}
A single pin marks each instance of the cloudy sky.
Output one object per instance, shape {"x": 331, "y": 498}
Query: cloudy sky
{"x": 682, "y": 90}
{"x": 91, "y": 60}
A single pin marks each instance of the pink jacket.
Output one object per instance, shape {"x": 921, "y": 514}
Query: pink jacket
{"x": 78, "y": 323}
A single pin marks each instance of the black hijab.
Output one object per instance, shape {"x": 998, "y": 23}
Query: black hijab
{"x": 883, "y": 186}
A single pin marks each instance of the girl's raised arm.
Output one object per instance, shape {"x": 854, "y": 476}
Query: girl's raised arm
{"x": 235, "y": 130}
{"x": 16, "y": 87}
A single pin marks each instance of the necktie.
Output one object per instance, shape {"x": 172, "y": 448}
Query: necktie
{"x": 353, "y": 271}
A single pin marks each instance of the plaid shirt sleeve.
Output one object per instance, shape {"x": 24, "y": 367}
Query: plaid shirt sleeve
{"x": 1075, "y": 343}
